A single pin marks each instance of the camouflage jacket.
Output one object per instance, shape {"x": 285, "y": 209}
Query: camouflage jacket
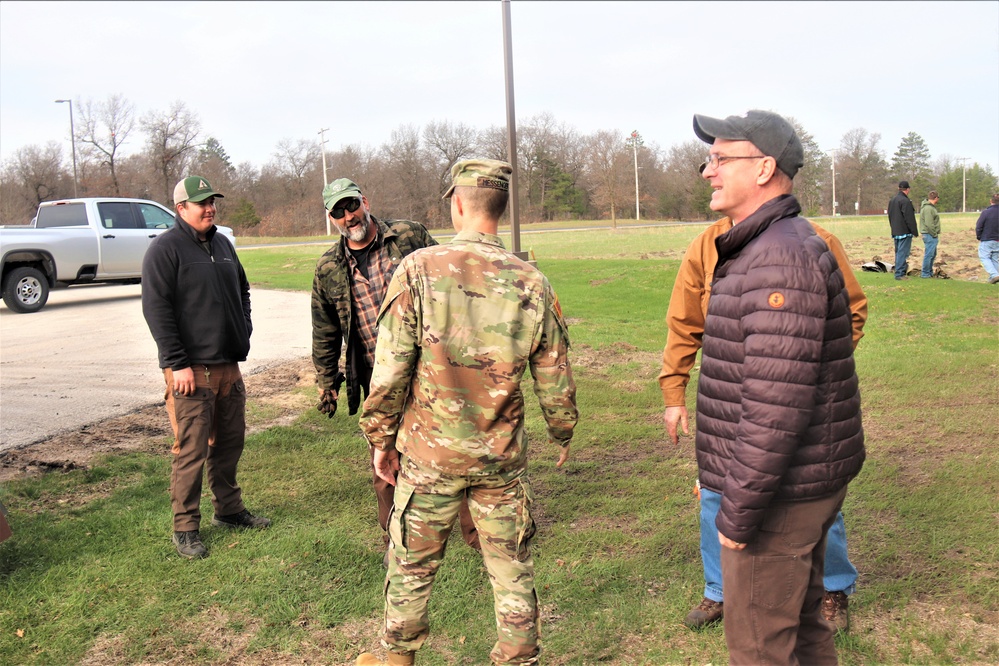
{"x": 332, "y": 311}
{"x": 459, "y": 326}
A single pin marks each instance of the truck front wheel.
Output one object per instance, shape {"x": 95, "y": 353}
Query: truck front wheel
{"x": 25, "y": 290}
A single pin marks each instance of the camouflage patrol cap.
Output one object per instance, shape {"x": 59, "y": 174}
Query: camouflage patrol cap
{"x": 341, "y": 188}
{"x": 480, "y": 173}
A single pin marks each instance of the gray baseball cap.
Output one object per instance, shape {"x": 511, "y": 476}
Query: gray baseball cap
{"x": 766, "y": 130}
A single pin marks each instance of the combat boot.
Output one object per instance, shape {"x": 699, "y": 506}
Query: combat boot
{"x": 189, "y": 545}
{"x": 394, "y": 659}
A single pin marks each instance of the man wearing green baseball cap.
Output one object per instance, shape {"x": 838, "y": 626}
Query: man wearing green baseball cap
{"x": 196, "y": 301}
{"x": 347, "y": 292}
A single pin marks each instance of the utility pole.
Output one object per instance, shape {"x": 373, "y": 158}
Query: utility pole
{"x": 72, "y": 138}
{"x": 635, "y": 138}
{"x": 964, "y": 184}
{"x": 511, "y": 130}
{"x": 322, "y": 149}
{"x": 833, "y": 151}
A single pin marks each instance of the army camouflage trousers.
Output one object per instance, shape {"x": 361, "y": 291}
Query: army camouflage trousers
{"x": 426, "y": 505}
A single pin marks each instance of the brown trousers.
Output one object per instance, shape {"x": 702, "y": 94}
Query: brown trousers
{"x": 209, "y": 429}
{"x": 773, "y": 587}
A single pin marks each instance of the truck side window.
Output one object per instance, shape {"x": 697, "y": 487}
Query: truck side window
{"x": 154, "y": 217}
{"x": 117, "y": 215}
{"x": 61, "y": 215}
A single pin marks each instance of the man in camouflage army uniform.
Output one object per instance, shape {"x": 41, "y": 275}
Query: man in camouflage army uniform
{"x": 347, "y": 292}
{"x": 459, "y": 326}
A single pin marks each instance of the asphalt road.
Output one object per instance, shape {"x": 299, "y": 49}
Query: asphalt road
{"x": 88, "y": 356}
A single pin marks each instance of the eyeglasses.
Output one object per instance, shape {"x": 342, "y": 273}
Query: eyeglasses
{"x": 351, "y": 206}
{"x": 715, "y": 161}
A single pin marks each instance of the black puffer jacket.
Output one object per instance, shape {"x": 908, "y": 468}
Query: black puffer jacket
{"x": 778, "y": 406}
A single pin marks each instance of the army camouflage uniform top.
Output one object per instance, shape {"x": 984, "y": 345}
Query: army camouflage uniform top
{"x": 453, "y": 315}
{"x": 333, "y": 309}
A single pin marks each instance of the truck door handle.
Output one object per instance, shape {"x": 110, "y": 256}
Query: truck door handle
{"x": 152, "y": 235}
{"x": 109, "y": 236}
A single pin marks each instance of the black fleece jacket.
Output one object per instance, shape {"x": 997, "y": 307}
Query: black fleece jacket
{"x": 195, "y": 301}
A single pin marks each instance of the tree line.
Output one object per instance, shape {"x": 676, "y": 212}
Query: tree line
{"x": 562, "y": 174}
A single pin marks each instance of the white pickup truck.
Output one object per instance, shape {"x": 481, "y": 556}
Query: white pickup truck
{"x": 79, "y": 241}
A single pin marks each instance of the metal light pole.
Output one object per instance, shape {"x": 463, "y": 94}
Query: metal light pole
{"x": 634, "y": 146}
{"x": 964, "y": 184}
{"x": 511, "y": 130}
{"x": 72, "y": 138}
{"x": 833, "y": 151}
{"x": 322, "y": 149}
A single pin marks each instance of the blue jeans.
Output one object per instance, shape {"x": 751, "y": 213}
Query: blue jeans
{"x": 902, "y": 248}
{"x": 988, "y": 253}
{"x": 840, "y": 574}
{"x": 930, "y": 242}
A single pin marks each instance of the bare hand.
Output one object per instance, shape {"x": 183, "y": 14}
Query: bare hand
{"x": 386, "y": 465}
{"x": 728, "y": 543}
{"x": 183, "y": 381}
{"x": 563, "y": 455}
{"x": 671, "y": 417}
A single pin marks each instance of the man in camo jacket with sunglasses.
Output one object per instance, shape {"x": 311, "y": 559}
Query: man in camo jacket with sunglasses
{"x": 347, "y": 292}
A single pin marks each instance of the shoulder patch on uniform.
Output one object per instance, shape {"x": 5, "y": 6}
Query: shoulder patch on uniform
{"x": 776, "y": 300}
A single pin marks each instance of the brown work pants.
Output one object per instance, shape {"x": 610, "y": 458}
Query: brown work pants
{"x": 773, "y": 587}
{"x": 209, "y": 429}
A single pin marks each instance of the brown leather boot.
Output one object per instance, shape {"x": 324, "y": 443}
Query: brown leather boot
{"x": 704, "y": 614}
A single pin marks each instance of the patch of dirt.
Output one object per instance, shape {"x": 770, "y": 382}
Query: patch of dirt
{"x": 957, "y": 254}
{"x": 278, "y": 393}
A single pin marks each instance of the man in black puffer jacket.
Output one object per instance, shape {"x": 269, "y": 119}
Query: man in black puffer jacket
{"x": 779, "y": 431}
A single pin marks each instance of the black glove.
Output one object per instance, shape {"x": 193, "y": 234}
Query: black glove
{"x": 327, "y": 401}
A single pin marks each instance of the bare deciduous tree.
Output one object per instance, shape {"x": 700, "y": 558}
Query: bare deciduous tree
{"x": 862, "y": 172}
{"x": 606, "y": 162}
{"x": 104, "y": 127}
{"x": 685, "y": 194}
{"x": 32, "y": 175}
{"x": 171, "y": 139}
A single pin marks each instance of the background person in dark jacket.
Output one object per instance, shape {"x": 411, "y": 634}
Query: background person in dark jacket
{"x": 778, "y": 406}
{"x": 987, "y": 233}
{"x": 902, "y": 218}
{"x": 196, "y": 301}
{"x": 347, "y": 292}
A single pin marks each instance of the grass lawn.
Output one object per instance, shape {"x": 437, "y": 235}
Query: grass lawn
{"x": 90, "y": 576}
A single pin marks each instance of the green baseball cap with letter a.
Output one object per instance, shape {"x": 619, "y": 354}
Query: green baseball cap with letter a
{"x": 194, "y": 189}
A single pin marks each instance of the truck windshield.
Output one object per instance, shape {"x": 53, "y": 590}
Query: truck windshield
{"x": 63, "y": 215}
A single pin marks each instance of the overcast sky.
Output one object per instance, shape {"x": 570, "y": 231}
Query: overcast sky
{"x": 259, "y": 72}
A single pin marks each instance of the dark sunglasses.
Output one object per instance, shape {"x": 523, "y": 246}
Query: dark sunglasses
{"x": 351, "y": 206}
